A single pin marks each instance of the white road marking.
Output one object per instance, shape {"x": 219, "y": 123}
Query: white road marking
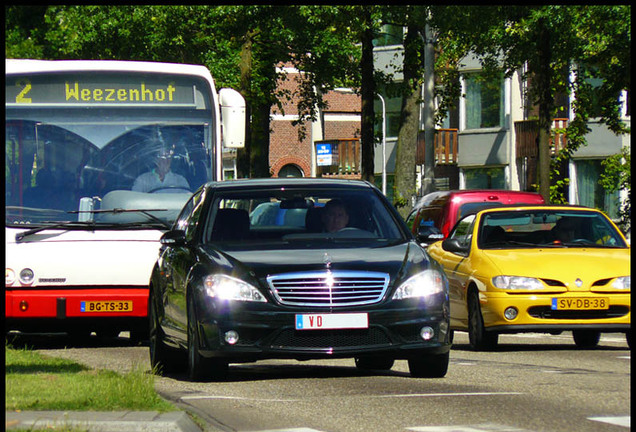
{"x": 624, "y": 421}
{"x": 488, "y": 427}
{"x": 407, "y": 395}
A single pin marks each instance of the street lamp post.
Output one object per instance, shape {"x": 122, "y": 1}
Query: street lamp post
{"x": 383, "y": 144}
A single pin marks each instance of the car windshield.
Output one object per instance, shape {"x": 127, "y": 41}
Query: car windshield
{"x": 288, "y": 215}
{"x": 541, "y": 228}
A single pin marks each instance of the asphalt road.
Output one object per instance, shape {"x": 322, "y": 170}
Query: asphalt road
{"x": 532, "y": 383}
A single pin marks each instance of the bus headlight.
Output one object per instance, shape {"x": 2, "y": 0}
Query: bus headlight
{"x": 27, "y": 276}
{"x": 9, "y": 277}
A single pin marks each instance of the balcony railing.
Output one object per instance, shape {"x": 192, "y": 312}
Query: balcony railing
{"x": 344, "y": 159}
{"x": 445, "y": 147}
{"x": 527, "y": 133}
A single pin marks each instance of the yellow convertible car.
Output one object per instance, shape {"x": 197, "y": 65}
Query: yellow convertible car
{"x": 537, "y": 269}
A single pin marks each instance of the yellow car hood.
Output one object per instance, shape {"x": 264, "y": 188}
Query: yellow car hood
{"x": 564, "y": 264}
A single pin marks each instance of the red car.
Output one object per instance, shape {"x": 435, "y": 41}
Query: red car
{"x": 435, "y": 214}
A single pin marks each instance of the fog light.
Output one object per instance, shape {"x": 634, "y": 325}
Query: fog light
{"x": 427, "y": 333}
{"x": 24, "y": 305}
{"x": 231, "y": 337}
{"x": 511, "y": 313}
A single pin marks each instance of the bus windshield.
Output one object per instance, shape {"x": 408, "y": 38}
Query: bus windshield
{"x": 83, "y": 146}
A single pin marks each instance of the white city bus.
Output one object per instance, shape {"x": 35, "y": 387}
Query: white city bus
{"x": 81, "y": 231}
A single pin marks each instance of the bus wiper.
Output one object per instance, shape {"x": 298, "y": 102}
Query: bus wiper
{"x": 60, "y": 225}
{"x": 145, "y": 212}
{"x": 83, "y": 224}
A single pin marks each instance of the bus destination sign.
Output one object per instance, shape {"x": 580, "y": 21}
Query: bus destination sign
{"x": 100, "y": 90}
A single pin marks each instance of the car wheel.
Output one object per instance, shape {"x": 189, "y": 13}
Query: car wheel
{"x": 429, "y": 365}
{"x": 374, "y": 363}
{"x": 480, "y": 339}
{"x": 201, "y": 368}
{"x": 586, "y": 338}
{"x": 163, "y": 359}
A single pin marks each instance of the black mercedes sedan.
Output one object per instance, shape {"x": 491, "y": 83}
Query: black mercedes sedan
{"x": 295, "y": 269}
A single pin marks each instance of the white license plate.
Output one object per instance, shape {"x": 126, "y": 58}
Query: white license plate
{"x": 332, "y": 321}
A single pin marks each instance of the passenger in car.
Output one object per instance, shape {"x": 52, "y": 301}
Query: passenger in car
{"x": 565, "y": 229}
{"x": 335, "y": 216}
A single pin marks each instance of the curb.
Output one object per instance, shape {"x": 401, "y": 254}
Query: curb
{"x": 114, "y": 421}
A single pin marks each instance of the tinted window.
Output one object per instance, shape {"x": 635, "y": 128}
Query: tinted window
{"x": 281, "y": 215}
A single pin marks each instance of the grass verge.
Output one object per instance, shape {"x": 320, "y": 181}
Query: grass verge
{"x": 39, "y": 382}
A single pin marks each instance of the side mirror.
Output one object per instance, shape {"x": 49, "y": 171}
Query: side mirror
{"x": 173, "y": 238}
{"x": 428, "y": 234}
{"x": 232, "y": 118}
{"x": 453, "y": 245}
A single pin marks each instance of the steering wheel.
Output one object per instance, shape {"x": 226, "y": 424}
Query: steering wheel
{"x": 167, "y": 188}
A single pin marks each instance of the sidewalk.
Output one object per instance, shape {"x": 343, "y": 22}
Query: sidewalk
{"x": 116, "y": 421}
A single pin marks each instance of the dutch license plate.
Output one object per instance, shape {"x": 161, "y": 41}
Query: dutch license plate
{"x": 580, "y": 303}
{"x": 106, "y": 306}
{"x": 332, "y": 321}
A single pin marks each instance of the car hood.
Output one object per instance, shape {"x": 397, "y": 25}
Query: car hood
{"x": 398, "y": 260}
{"x": 563, "y": 264}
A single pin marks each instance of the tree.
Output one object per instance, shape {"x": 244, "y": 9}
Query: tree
{"x": 551, "y": 42}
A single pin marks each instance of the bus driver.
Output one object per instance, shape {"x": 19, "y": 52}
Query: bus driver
{"x": 160, "y": 177}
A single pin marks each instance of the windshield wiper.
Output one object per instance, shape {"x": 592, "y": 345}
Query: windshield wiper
{"x": 83, "y": 224}
{"x": 66, "y": 225}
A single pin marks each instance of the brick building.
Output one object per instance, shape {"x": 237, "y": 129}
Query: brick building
{"x": 290, "y": 156}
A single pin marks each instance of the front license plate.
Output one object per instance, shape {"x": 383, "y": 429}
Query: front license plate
{"x": 580, "y": 303}
{"x": 106, "y": 306}
{"x": 331, "y": 321}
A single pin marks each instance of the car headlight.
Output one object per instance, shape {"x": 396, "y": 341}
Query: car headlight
{"x": 228, "y": 288}
{"x": 622, "y": 283}
{"x": 517, "y": 282}
{"x": 424, "y": 284}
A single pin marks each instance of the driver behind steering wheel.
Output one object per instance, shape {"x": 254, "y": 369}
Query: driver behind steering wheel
{"x": 161, "y": 177}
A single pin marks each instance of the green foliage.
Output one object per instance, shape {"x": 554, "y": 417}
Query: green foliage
{"x": 617, "y": 176}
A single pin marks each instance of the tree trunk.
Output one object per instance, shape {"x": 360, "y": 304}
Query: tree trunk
{"x": 409, "y": 126}
{"x": 546, "y": 103}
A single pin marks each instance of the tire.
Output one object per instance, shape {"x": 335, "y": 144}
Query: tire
{"x": 163, "y": 359}
{"x": 480, "y": 339}
{"x": 374, "y": 363}
{"x": 586, "y": 339}
{"x": 201, "y": 368}
{"x": 429, "y": 366}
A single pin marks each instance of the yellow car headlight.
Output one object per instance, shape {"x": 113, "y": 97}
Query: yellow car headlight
{"x": 622, "y": 283}
{"x": 517, "y": 282}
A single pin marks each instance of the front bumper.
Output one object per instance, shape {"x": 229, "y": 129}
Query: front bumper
{"x": 60, "y": 309}
{"x": 536, "y": 312}
{"x": 262, "y": 334}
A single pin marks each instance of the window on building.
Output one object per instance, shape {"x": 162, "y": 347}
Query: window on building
{"x": 485, "y": 104}
{"x": 590, "y": 192}
{"x": 290, "y": 170}
{"x": 485, "y": 178}
{"x": 393, "y": 102}
{"x": 389, "y": 34}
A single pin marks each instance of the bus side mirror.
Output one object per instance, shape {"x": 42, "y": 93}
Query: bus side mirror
{"x": 232, "y": 118}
